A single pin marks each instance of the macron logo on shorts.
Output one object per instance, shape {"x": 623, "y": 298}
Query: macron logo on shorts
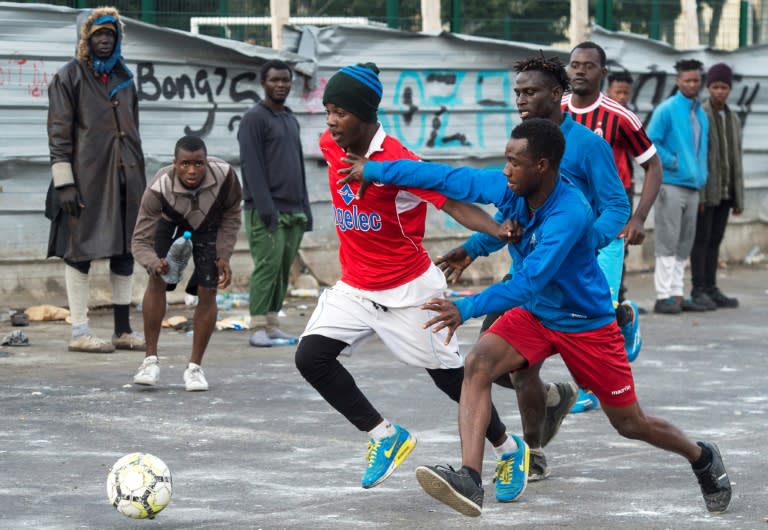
{"x": 621, "y": 391}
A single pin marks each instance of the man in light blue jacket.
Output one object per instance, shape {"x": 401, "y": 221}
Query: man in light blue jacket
{"x": 679, "y": 130}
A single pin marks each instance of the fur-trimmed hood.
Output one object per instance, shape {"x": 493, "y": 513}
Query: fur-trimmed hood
{"x": 85, "y": 21}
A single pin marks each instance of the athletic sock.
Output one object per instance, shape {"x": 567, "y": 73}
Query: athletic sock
{"x": 122, "y": 319}
{"x": 508, "y": 446}
{"x": 474, "y": 475}
{"x": 382, "y": 430}
{"x": 77, "y": 295}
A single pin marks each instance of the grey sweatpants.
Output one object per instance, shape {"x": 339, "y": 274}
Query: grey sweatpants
{"x": 675, "y": 214}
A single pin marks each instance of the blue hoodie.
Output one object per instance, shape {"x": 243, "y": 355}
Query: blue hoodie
{"x": 588, "y": 163}
{"x": 671, "y": 132}
{"x": 556, "y": 275}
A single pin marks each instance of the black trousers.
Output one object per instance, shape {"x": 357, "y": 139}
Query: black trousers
{"x": 710, "y": 230}
{"x": 317, "y": 360}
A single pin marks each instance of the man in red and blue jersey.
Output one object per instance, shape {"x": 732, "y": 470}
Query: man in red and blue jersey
{"x": 386, "y": 274}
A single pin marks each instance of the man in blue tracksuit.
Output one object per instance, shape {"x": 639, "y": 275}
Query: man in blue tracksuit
{"x": 679, "y": 129}
{"x": 588, "y": 162}
{"x": 557, "y": 301}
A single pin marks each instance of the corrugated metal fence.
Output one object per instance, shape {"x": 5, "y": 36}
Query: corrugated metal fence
{"x": 449, "y": 98}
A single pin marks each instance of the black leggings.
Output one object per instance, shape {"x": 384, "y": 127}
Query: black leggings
{"x": 317, "y": 361}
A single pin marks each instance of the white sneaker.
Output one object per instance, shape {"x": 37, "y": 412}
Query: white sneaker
{"x": 149, "y": 372}
{"x": 194, "y": 379}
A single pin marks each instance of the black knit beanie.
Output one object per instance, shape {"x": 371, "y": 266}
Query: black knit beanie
{"x": 720, "y": 72}
{"x": 356, "y": 89}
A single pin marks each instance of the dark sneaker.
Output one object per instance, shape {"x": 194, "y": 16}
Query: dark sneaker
{"x": 451, "y": 487}
{"x": 537, "y": 467}
{"x": 701, "y": 298}
{"x": 555, "y": 414}
{"x": 688, "y": 304}
{"x": 714, "y": 482}
{"x": 667, "y": 306}
{"x": 721, "y": 300}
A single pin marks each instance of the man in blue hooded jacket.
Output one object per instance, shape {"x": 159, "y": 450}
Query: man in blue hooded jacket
{"x": 679, "y": 129}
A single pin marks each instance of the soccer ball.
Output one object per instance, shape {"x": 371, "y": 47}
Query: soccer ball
{"x": 139, "y": 485}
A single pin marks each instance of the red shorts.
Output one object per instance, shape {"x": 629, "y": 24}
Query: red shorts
{"x": 596, "y": 359}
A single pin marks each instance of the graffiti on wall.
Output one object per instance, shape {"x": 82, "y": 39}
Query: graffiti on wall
{"x": 31, "y": 76}
{"x": 426, "y": 109}
{"x": 211, "y": 85}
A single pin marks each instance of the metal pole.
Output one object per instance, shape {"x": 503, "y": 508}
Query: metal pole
{"x": 654, "y": 29}
{"x": 455, "y": 16}
{"x": 280, "y": 10}
{"x": 579, "y": 21}
{"x": 690, "y": 23}
{"x": 393, "y": 14}
{"x": 430, "y": 15}
{"x": 148, "y": 9}
{"x": 600, "y": 12}
{"x": 743, "y": 23}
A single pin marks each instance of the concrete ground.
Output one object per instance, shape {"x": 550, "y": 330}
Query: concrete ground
{"x": 262, "y": 450}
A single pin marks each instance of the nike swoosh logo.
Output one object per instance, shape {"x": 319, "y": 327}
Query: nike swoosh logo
{"x": 388, "y": 452}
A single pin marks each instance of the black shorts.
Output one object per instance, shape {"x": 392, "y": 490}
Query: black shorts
{"x": 203, "y": 254}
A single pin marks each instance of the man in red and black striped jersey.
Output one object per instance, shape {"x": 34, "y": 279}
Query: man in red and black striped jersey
{"x": 624, "y": 131}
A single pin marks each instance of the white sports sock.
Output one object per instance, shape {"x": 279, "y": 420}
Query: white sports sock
{"x": 121, "y": 288}
{"x": 77, "y": 296}
{"x": 382, "y": 430}
{"x": 509, "y": 446}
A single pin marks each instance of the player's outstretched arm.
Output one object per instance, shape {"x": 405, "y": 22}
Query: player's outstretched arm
{"x": 477, "y": 219}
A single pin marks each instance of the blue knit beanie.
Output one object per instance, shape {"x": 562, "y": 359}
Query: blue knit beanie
{"x": 356, "y": 89}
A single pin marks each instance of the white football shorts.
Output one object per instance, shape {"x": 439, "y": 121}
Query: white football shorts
{"x": 353, "y": 319}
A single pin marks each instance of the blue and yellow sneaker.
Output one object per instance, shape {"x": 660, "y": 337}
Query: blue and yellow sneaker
{"x": 512, "y": 472}
{"x": 586, "y": 401}
{"x": 633, "y": 340}
{"x": 385, "y": 455}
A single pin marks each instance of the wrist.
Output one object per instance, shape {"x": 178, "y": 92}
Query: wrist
{"x": 372, "y": 171}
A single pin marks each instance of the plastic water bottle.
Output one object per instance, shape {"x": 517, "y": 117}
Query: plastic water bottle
{"x": 177, "y": 258}
{"x": 284, "y": 342}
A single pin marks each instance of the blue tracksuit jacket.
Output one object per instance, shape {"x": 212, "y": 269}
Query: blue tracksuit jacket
{"x": 588, "y": 163}
{"x": 556, "y": 275}
{"x": 671, "y": 132}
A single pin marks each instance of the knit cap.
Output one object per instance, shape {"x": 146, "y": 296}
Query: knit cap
{"x": 720, "y": 72}
{"x": 356, "y": 89}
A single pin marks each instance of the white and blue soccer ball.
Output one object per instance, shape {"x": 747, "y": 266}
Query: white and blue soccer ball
{"x": 139, "y": 485}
